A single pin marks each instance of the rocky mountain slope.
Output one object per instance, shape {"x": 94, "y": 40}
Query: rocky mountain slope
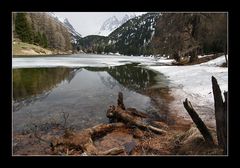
{"x": 65, "y": 22}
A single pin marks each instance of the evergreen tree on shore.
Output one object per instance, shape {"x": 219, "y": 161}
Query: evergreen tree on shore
{"x": 22, "y": 28}
{"x": 41, "y": 29}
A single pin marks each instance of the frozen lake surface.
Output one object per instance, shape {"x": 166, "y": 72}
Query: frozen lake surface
{"x": 81, "y": 60}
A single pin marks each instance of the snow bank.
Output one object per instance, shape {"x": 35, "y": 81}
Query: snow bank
{"x": 158, "y": 61}
{"x": 215, "y": 62}
{"x": 194, "y": 82}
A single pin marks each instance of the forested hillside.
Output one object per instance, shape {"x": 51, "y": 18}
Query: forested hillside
{"x": 169, "y": 34}
{"x": 41, "y": 29}
{"x": 184, "y": 34}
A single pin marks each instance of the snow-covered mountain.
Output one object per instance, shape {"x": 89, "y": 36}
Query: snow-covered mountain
{"x": 133, "y": 37}
{"x": 67, "y": 24}
{"x": 113, "y": 23}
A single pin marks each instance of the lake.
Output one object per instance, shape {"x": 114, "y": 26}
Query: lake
{"x": 83, "y": 87}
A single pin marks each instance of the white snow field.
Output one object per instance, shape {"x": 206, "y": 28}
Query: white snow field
{"x": 194, "y": 82}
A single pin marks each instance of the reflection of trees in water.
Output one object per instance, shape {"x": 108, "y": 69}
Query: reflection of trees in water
{"x": 133, "y": 77}
{"x": 130, "y": 76}
{"x": 108, "y": 81}
{"x": 31, "y": 84}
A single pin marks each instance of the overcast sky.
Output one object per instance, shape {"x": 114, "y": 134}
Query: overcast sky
{"x": 87, "y": 23}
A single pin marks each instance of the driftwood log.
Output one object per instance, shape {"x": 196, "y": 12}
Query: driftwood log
{"x": 84, "y": 140}
{"x": 198, "y": 121}
{"x": 131, "y": 116}
{"x": 220, "y": 114}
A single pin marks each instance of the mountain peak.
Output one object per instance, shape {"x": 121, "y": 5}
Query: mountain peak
{"x": 112, "y": 23}
{"x": 65, "y": 22}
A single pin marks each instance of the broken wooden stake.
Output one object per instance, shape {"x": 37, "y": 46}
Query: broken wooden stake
{"x": 198, "y": 121}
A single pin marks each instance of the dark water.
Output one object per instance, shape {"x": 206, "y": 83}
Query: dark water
{"x": 42, "y": 95}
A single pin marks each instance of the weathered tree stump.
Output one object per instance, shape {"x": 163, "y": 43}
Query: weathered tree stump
{"x": 120, "y": 101}
{"x": 198, "y": 121}
{"x": 220, "y": 114}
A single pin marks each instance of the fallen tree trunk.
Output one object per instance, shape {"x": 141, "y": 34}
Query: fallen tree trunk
{"x": 198, "y": 121}
{"x": 220, "y": 114}
{"x": 131, "y": 117}
{"x": 128, "y": 118}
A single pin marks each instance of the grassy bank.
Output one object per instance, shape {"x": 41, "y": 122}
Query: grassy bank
{"x": 20, "y": 48}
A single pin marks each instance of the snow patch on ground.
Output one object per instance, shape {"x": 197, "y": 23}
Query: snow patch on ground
{"x": 215, "y": 62}
{"x": 194, "y": 82}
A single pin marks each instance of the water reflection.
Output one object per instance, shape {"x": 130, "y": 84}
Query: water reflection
{"x": 30, "y": 82}
{"x": 84, "y": 93}
{"x": 131, "y": 76}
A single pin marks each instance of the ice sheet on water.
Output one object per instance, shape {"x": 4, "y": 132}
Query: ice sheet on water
{"x": 83, "y": 60}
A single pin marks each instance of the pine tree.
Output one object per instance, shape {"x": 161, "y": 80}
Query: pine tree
{"x": 37, "y": 38}
{"x": 22, "y": 28}
{"x": 44, "y": 41}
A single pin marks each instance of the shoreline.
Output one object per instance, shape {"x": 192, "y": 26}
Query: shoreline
{"x": 194, "y": 82}
{"x": 20, "y": 48}
{"x": 40, "y": 55}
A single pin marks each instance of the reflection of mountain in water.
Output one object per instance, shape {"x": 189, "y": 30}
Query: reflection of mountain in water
{"x": 130, "y": 76}
{"x": 31, "y": 84}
